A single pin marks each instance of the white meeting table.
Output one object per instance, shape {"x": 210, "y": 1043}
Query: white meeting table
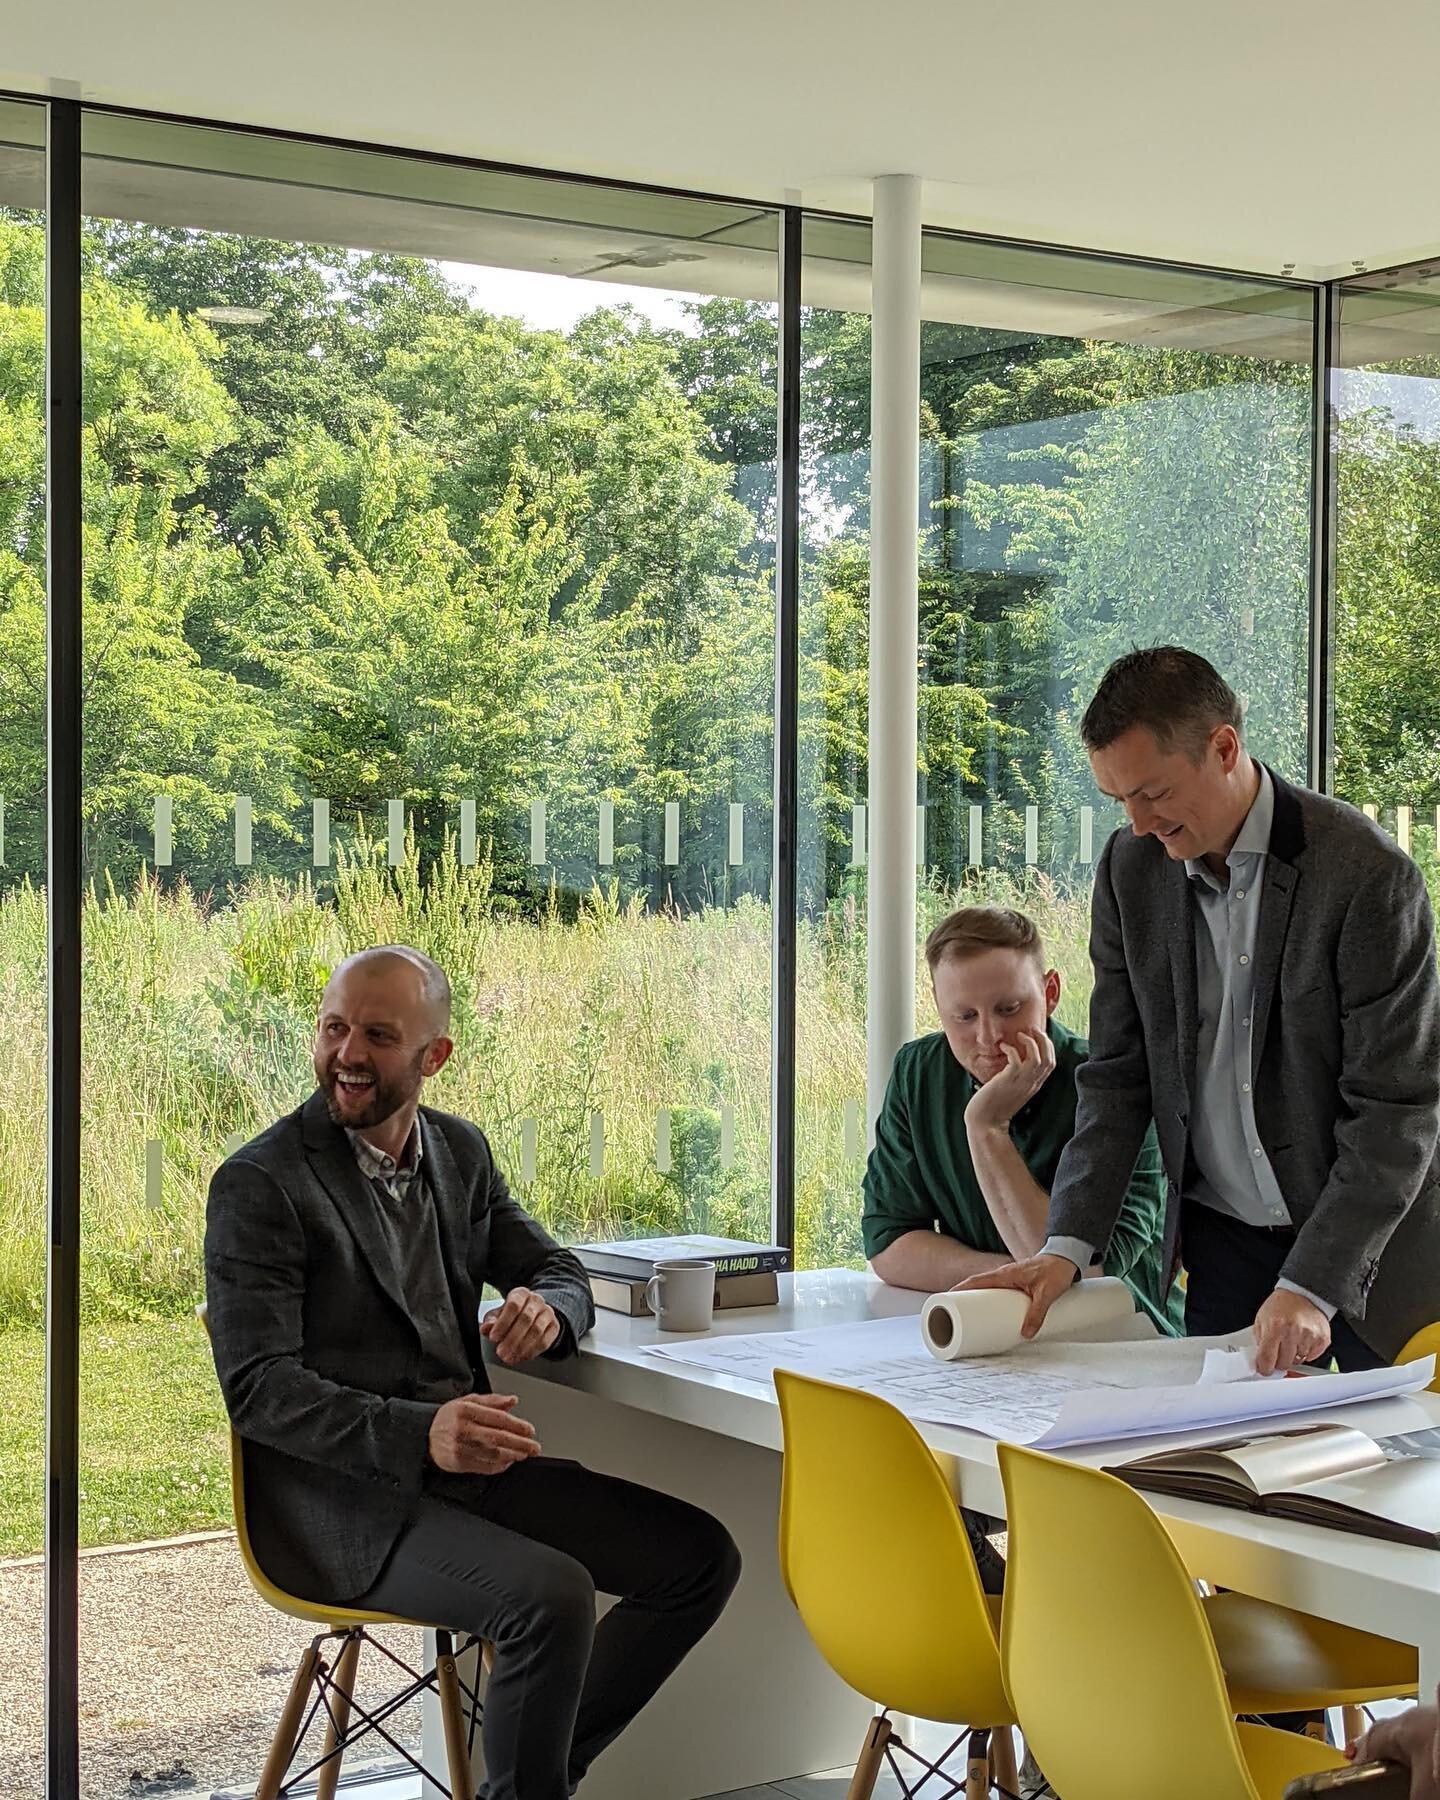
{"x": 754, "y": 1703}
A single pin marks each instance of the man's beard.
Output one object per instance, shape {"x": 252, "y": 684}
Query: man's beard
{"x": 384, "y": 1098}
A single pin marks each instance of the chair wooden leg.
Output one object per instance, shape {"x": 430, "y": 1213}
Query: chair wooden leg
{"x": 1003, "y": 1772}
{"x": 1355, "y": 1722}
{"x": 287, "y": 1732}
{"x": 977, "y": 1767}
{"x": 342, "y": 1693}
{"x": 870, "y": 1761}
{"x": 452, "y": 1713}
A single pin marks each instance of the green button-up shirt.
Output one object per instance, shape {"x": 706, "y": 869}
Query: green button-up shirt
{"x": 921, "y": 1175}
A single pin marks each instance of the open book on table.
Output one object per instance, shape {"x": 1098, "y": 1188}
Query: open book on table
{"x": 1321, "y": 1474}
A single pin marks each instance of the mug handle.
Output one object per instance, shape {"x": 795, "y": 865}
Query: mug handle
{"x": 650, "y": 1287}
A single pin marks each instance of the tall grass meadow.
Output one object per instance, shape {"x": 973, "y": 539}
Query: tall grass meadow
{"x": 199, "y": 1014}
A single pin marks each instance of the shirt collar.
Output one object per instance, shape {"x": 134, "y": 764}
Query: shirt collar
{"x": 1254, "y": 835}
{"x": 379, "y": 1165}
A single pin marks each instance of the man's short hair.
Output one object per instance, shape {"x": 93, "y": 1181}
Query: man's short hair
{"x": 972, "y": 930}
{"x": 1172, "y": 693}
{"x": 435, "y": 982}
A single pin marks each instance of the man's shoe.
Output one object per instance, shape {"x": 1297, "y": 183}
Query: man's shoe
{"x": 1033, "y": 1785}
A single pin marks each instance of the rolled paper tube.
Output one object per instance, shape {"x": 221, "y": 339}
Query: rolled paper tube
{"x": 987, "y": 1321}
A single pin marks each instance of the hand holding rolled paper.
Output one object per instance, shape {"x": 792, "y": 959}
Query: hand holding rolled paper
{"x": 987, "y": 1321}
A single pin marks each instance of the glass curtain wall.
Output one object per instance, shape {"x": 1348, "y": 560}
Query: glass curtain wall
{"x": 1112, "y": 455}
{"x": 23, "y": 1230}
{"x": 429, "y": 561}
{"x": 429, "y": 542}
{"x": 833, "y": 776}
{"x": 1385, "y": 395}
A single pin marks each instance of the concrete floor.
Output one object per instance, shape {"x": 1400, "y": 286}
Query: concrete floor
{"x": 930, "y": 1740}
{"x": 830, "y": 1784}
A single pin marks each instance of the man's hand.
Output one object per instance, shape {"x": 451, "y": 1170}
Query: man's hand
{"x": 1028, "y": 1066}
{"x": 479, "y": 1435}
{"x": 1289, "y": 1329}
{"x": 1411, "y": 1739}
{"x": 1042, "y": 1280}
{"x": 523, "y": 1326}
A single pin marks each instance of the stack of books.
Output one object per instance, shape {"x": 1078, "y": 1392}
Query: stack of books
{"x": 745, "y": 1274}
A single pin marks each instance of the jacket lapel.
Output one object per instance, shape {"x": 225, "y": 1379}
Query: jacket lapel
{"x": 1276, "y": 899}
{"x": 1180, "y": 924}
{"x": 447, "y": 1193}
{"x": 333, "y": 1162}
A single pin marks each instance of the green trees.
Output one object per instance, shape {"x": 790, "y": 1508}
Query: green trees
{"x": 1387, "y": 674}
{"x": 1077, "y": 499}
{"x": 383, "y": 545}
{"x": 1182, "y": 516}
{"x": 159, "y": 720}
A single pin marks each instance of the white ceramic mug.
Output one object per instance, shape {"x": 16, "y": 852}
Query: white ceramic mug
{"x": 681, "y": 1294}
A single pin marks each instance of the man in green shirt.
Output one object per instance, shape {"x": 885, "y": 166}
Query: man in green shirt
{"x": 970, "y": 1135}
{"x": 974, "y": 1120}
{"x": 969, "y": 1138}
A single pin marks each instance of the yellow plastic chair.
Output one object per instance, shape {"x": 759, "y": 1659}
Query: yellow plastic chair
{"x": 1102, "y": 1620}
{"x": 1279, "y": 1661}
{"x": 1398, "y": 1667}
{"x": 876, "y": 1559}
{"x": 324, "y": 1681}
{"x": 1426, "y": 1342}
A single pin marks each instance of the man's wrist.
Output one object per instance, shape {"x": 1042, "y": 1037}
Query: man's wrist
{"x": 987, "y": 1128}
{"x": 429, "y": 1458}
{"x": 1073, "y": 1249}
{"x": 1294, "y": 1287}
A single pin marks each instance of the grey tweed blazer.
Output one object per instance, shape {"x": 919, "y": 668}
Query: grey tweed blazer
{"x": 314, "y": 1347}
{"x": 1346, "y": 1056}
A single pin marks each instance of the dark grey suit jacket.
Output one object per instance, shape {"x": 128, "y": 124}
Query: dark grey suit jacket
{"x": 314, "y": 1346}
{"x": 1346, "y": 1056}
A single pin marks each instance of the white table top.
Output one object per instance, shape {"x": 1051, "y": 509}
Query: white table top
{"x": 1367, "y": 1581}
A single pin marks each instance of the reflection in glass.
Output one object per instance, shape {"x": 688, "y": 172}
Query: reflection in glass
{"x": 23, "y": 930}
{"x": 1110, "y": 455}
{"x": 430, "y": 545}
{"x": 1386, "y": 650}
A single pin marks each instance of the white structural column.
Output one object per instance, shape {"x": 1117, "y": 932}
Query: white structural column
{"x": 894, "y": 625}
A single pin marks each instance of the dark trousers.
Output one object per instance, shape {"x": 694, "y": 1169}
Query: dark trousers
{"x": 518, "y": 1559}
{"x": 988, "y": 1559}
{"x": 1231, "y": 1268}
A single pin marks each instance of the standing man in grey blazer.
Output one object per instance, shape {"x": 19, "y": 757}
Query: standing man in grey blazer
{"x": 1265, "y": 987}
{"x": 345, "y": 1251}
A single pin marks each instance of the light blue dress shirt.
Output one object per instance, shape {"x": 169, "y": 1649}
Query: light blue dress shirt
{"x": 1233, "y": 1174}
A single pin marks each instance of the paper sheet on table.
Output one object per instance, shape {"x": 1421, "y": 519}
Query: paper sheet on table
{"x": 1046, "y": 1394}
{"x": 1231, "y": 1362}
{"x": 1089, "y": 1418}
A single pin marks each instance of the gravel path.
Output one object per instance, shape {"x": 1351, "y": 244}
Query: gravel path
{"x": 183, "y": 1676}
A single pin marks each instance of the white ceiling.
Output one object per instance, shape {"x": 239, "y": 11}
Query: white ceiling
{"x": 1247, "y": 134}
